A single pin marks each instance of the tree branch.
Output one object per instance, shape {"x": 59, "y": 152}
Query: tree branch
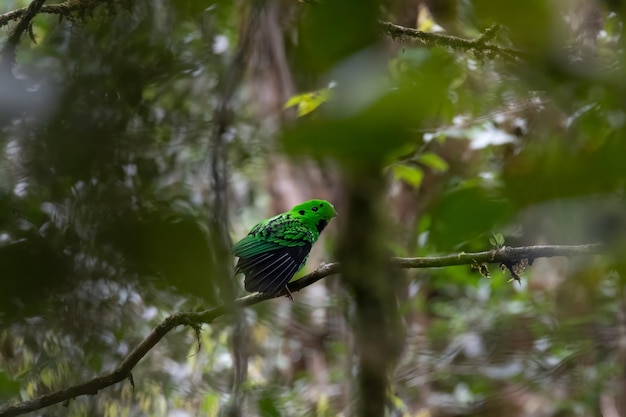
{"x": 480, "y": 44}
{"x": 65, "y": 9}
{"x": 505, "y": 255}
{"x": 23, "y": 25}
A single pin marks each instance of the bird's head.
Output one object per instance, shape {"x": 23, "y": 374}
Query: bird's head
{"x": 315, "y": 212}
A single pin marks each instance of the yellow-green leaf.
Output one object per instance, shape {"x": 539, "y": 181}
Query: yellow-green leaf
{"x": 434, "y": 161}
{"x": 412, "y": 175}
{"x": 307, "y": 102}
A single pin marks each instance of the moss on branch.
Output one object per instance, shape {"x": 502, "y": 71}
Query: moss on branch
{"x": 481, "y": 45}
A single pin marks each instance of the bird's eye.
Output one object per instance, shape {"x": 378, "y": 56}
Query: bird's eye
{"x": 301, "y": 212}
{"x": 314, "y": 208}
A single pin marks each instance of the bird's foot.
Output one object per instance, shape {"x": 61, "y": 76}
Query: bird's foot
{"x": 289, "y": 293}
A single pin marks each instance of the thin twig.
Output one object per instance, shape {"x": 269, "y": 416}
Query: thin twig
{"x": 123, "y": 371}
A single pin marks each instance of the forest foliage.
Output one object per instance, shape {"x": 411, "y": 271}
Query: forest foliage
{"x": 139, "y": 139}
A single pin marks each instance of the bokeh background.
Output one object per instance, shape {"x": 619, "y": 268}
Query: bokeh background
{"x": 138, "y": 139}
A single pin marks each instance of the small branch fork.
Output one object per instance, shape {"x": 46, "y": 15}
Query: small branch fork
{"x": 505, "y": 256}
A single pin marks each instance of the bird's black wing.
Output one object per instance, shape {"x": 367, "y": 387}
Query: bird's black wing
{"x": 269, "y": 272}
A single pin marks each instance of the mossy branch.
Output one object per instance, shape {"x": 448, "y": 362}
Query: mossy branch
{"x": 505, "y": 255}
{"x": 24, "y": 24}
{"x": 70, "y": 9}
{"x": 481, "y": 45}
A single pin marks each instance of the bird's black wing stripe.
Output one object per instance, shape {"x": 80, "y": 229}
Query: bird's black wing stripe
{"x": 271, "y": 271}
{"x": 260, "y": 278}
{"x": 272, "y": 282}
{"x": 246, "y": 264}
{"x": 276, "y": 264}
{"x": 276, "y": 285}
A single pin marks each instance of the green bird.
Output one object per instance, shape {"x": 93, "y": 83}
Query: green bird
{"x": 278, "y": 247}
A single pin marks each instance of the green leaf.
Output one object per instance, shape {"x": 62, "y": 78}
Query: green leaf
{"x": 365, "y": 138}
{"x": 8, "y": 387}
{"x": 307, "y": 102}
{"x": 497, "y": 240}
{"x": 410, "y": 174}
{"x": 434, "y": 161}
{"x": 210, "y": 404}
{"x": 47, "y": 377}
{"x": 267, "y": 406}
{"x": 467, "y": 214}
{"x": 95, "y": 362}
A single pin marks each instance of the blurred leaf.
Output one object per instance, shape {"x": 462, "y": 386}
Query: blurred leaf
{"x": 366, "y": 138}
{"x": 210, "y": 404}
{"x": 465, "y": 214}
{"x": 565, "y": 171}
{"x": 8, "y": 387}
{"x": 307, "y": 102}
{"x": 434, "y": 161}
{"x": 268, "y": 406}
{"x": 95, "y": 362}
{"x": 425, "y": 21}
{"x": 411, "y": 174}
{"x": 322, "y": 407}
{"x": 518, "y": 17}
{"x": 428, "y": 75}
{"x": 47, "y": 377}
{"x": 332, "y": 31}
{"x": 32, "y": 267}
{"x": 174, "y": 247}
